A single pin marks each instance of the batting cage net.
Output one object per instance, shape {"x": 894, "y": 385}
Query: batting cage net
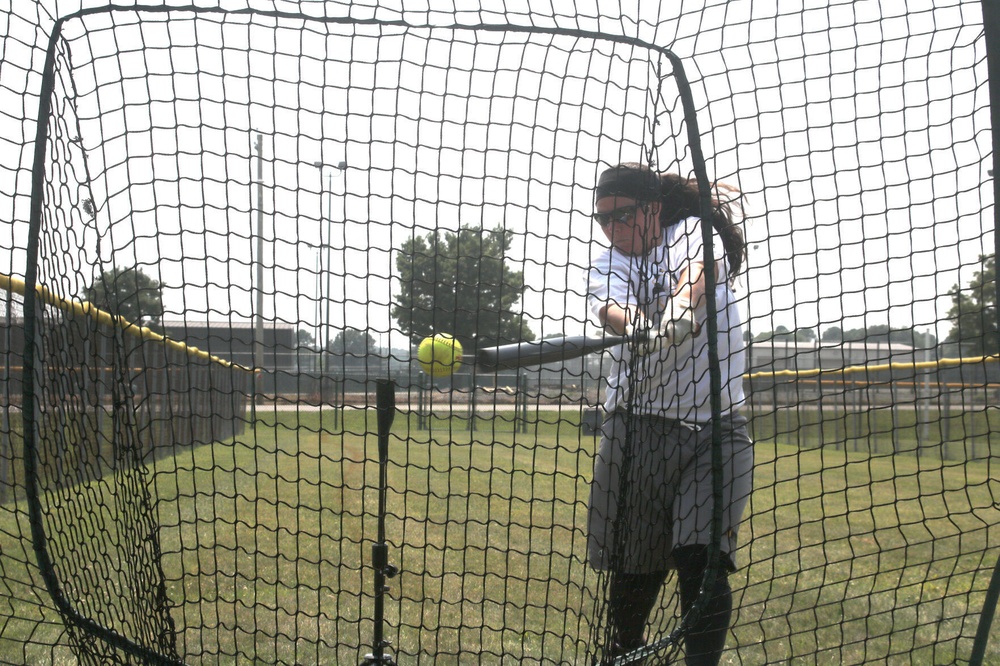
{"x": 305, "y": 355}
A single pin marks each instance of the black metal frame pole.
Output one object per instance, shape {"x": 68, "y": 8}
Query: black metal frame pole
{"x": 991, "y": 31}
{"x": 385, "y": 407}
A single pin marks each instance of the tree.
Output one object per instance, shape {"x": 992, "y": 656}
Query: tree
{"x": 305, "y": 338}
{"x": 974, "y": 311}
{"x": 128, "y": 293}
{"x": 805, "y": 335}
{"x": 780, "y": 334}
{"x": 833, "y": 334}
{"x": 352, "y": 342}
{"x": 458, "y": 283}
{"x": 880, "y": 334}
{"x": 784, "y": 334}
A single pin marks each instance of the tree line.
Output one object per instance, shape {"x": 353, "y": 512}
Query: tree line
{"x": 973, "y": 314}
{"x": 880, "y": 333}
{"x": 461, "y": 283}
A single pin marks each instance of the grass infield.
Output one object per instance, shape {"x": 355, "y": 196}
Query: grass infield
{"x": 850, "y": 556}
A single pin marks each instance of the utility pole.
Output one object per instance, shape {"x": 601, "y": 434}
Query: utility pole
{"x": 258, "y": 343}
{"x": 325, "y": 271}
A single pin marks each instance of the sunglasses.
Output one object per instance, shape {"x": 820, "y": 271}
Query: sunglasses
{"x": 622, "y": 215}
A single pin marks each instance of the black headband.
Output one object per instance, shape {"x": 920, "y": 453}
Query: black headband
{"x": 632, "y": 182}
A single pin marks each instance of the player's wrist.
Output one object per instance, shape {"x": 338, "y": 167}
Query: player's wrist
{"x": 678, "y": 324}
{"x": 678, "y": 309}
{"x": 643, "y": 327}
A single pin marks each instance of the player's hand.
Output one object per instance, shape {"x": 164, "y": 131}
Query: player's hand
{"x": 678, "y": 324}
{"x": 640, "y": 333}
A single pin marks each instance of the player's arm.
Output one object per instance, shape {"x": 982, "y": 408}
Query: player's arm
{"x": 689, "y": 294}
{"x": 679, "y": 321}
{"x": 609, "y": 299}
{"x": 690, "y": 291}
{"x": 619, "y": 319}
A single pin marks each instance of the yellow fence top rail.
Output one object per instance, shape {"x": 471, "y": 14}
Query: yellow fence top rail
{"x": 857, "y": 369}
{"x": 88, "y": 309}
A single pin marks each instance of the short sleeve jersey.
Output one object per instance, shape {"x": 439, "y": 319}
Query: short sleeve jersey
{"x": 675, "y": 382}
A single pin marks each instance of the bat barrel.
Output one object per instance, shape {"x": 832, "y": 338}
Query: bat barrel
{"x": 548, "y": 350}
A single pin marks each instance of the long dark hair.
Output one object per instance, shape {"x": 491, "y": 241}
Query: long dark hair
{"x": 679, "y": 199}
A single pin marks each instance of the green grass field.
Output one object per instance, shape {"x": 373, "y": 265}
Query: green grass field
{"x": 850, "y": 556}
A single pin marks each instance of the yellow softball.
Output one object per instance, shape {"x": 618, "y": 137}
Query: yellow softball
{"x": 439, "y": 355}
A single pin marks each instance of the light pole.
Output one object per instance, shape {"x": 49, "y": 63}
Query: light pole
{"x": 258, "y": 338}
{"x": 327, "y": 269}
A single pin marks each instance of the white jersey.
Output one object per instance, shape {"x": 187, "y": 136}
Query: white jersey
{"x": 675, "y": 382}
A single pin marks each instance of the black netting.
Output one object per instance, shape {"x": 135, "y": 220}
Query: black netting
{"x": 232, "y": 229}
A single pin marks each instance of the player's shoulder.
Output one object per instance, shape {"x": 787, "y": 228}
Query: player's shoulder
{"x": 605, "y": 259}
{"x": 684, "y": 235}
{"x": 678, "y": 233}
{"x": 612, "y": 265}
{"x": 689, "y": 225}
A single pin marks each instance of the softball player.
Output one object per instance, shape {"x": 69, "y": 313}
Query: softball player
{"x": 651, "y": 502}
